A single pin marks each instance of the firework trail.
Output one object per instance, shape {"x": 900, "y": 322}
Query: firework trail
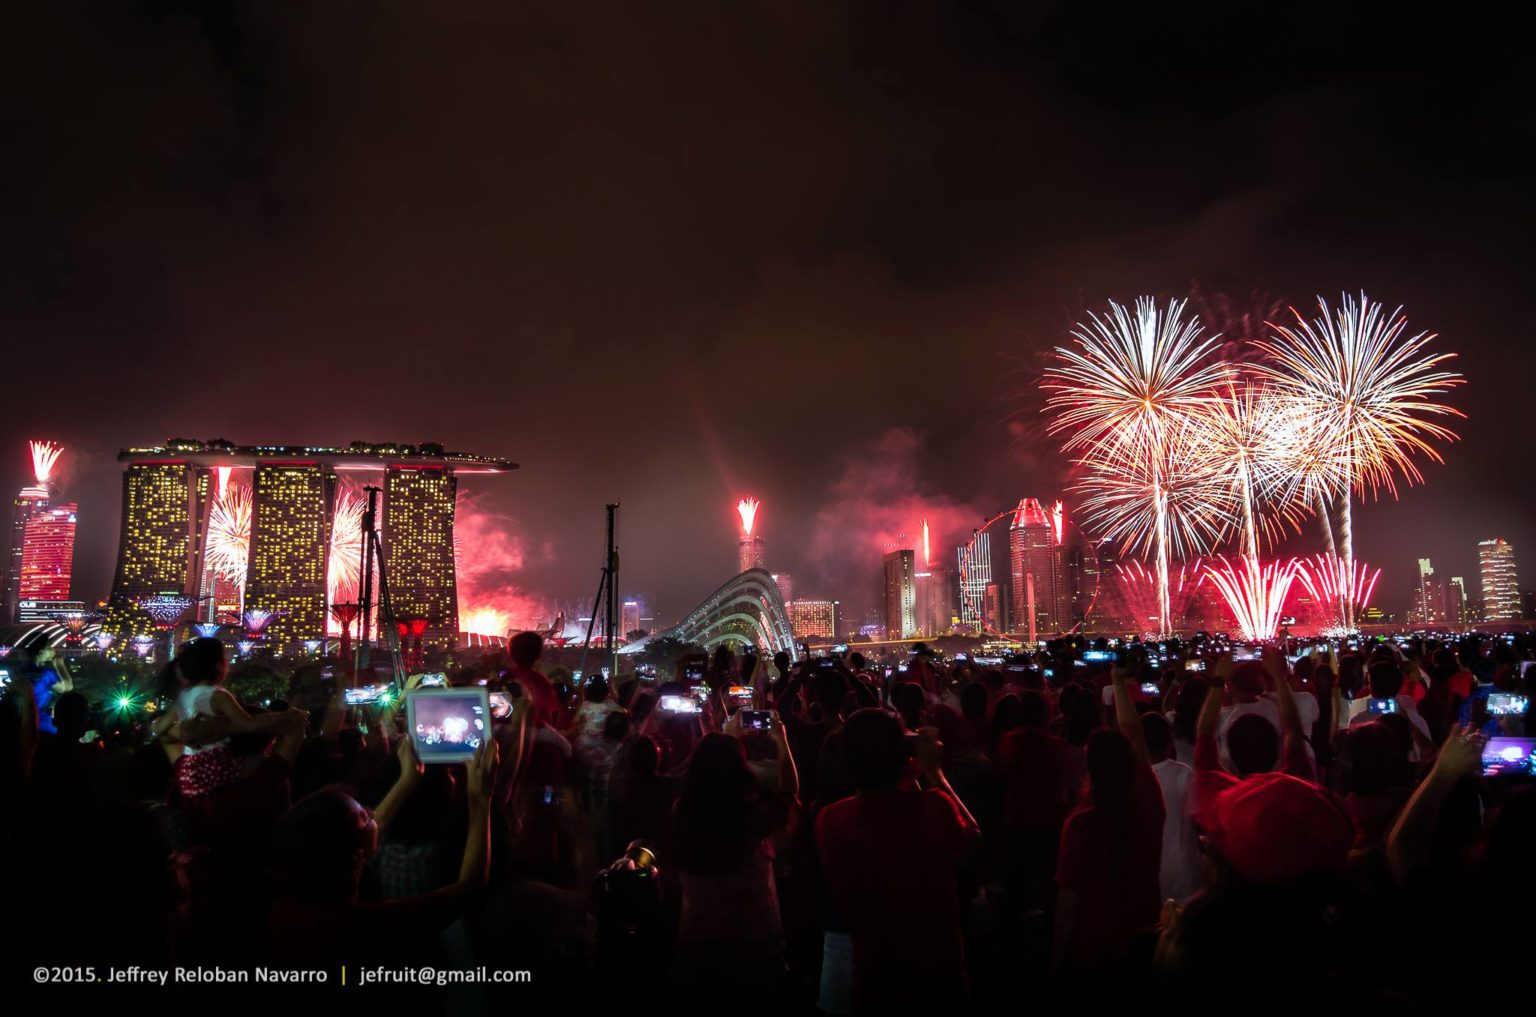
{"x": 1325, "y": 578}
{"x": 1133, "y": 597}
{"x": 1371, "y": 391}
{"x": 222, "y": 475}
{"x": 227, "y": 549}
{"x": 346, "y": 548}
{"x": 1125, "y": 397}
{"x": 1255, "y": 593}
{"x": 927, "y": 547}
{"x": 44, "y": 455}
{"x": 747, "y": 508}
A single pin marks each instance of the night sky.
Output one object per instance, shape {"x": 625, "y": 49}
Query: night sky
{"x": 671, "y": 254}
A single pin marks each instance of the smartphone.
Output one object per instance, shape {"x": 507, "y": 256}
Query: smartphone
{"x": 740, "y": 693}
{"x": 551, "y": 796}
{"x": 1244, "y": 653}
{"x": 1382, "y": 706}
{"x": 826, "y": 662}
{"x": 448, "y": 725}
{"x": 363, "y": 694}
{"x": 1194, "y": 665}
{"x": 501, "y": 705}
{"x": 678, "y": 704}
{"x": 1503, "y": 757}
{"x": 1049, "y": 672}
{"x": 1503, "y": 704}
{"x": 756, "y": 720}
{"x": 434, "y": 681}
{"x": 1150, "y": 689}
{"x": 840, "y": 648}
{"x": 1099, "y": 656}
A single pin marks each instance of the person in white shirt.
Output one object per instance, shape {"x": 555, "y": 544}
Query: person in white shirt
{"x": 1182, "y": 873}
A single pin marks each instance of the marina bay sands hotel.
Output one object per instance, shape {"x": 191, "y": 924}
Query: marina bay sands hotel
{"x": 170, "y": 493}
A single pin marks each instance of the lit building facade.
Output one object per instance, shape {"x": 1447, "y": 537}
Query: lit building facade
{"x": 167, "y": 495}
{"x": 155, "y": 550}
{"x": 974, "y": 568}
{"x": 48, "y": 553}
{"x": 630, "y": 620}
{"x": 1501, "y": 588}
{"x": 937, "y": 612}
{"x": 749, "y": 552}
{"x": 1430, "y": 604}
{"x": 900, "y": 615}
{"x": 1456, "y": 601}
{"x": 786, "y": 585}
{"x": 813, "y": 619}
{"x": 1033, "y": 565}
{"x": 419, "y": 507}
{"x": 291, "y": 506}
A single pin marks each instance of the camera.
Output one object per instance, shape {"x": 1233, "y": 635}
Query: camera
{"x": 756, "y": 720}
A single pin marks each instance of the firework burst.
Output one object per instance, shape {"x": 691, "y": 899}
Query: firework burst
{"x": 228, "y": 546}
{"x": 1133, "y": 595}
{"x": 1372, "y": 391}
{"x": 45, "y": 455}
{"x": 1125, "y": 397}
{"x": 747, "y": 508}
{"x": 1325, "y": 578}
{"x": 346, "y": 548}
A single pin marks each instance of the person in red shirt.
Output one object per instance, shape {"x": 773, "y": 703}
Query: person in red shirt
{"x": 889, "y": 855}
{"x": 1111, "y": 850}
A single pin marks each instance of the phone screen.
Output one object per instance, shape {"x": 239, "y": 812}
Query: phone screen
{"x": 363, "y": 694}
{"x": 1383, "y": 706}
{"x": 1194, "y": 665}
{"x": 1504, "y": 757}
{"x": 1503, "y": 704}
{"x": 448, "y": 725}
{"x": 1150, "y": 688}
{"x": 501, "y": 705}
{"x": 678, "y": 704}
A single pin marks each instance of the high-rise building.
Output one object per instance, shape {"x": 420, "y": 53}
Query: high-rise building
{"x": 934, "y": 590}
{"x": 786, "y": 585}
{"x": 1501, "y": 589}
{"x": 900, "y": 614}
{"x": 155, "y": 549}
{"x": 419, "y": 505}
{"x": 813, "y": 619}
{"x": 167, "y": 499}
{"x": 749, "y": 552}
{"x": 629, "y": 618}
{"x": 1456, "y": 601}
{"x": 1430, "y": 605}
{"x": 48, "y": 553}
{"x": 1033, "y": 568}
{"x": 974, "y": 567}
{"x": 291, "y": 504}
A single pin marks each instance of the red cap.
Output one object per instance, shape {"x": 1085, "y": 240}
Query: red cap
{"x": 1273, "y": 828}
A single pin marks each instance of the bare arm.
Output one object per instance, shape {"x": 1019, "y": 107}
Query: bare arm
{"x": 404, "y": 786}
{"x": 789, "y": 774}
{"x": 1126, "y": 717}
{"x": 1409, "y": 842}
{"x": 225, "y": 705}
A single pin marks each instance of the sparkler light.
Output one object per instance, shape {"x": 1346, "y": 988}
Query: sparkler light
{"x": 1371, "y": 392}
{"x": 44, "y": 455}
{"x": 1325, "y": 578}
{"x": 228, "y": 547}
{"x": 1256, "y": 593}
{"x": 747, "y": 507}
{"x": 1125, "y": 397}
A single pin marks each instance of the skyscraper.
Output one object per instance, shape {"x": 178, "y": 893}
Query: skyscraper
{"x": 1033, "y": 561}
{"x": 1501, "y": 590}
{"x": 1429, "y": 606}
{"x": 290, "y": 547}
{"x": 48, "y": 553}
{"x": 419, "y": 505}
{"x": 629, "y": 618}
{"x": 974, "y": 566}
{"x": 900, "y": 615}
{"x": 749, "y": 552}
{"x": 786, "y": 585}
{"x": 1456, "y": 601}
{"x": 167, "y": 501}
{"x": 32, "y": 500}
{"x": 813, "y": 619}
{"x": 155, "y": 551}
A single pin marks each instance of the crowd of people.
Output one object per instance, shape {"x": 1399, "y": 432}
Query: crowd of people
{"x": 1171, "y": 826}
